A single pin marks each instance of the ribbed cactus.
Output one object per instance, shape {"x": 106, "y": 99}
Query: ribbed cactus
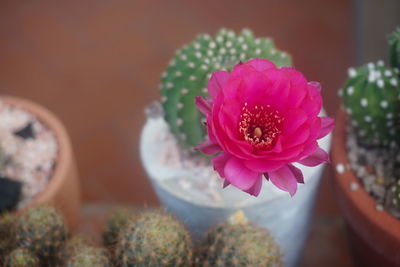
{"x": 21, "y": 257}
{"x": 154, "y": 239}
{"x": 7, "y": 235}
{"x": 394, "y": 48}
{"x": 239, "y": 243}
{"x": 89, "y": 256}
{"x": 117, "y": 221}
{"x": 188, "y": 73}
{"x": 42, "y": 230}
{"x": 371, "y": 99}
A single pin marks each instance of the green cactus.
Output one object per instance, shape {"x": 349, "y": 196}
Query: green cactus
{"x": 22, "y": 257}
{"x": 117, "y": 221}
{"x": 7, "y": 235}
{"x": 70, "y": 248}
{"x": 88, "y": 256}
{"x": 371, "y": 99}
{"x": 239, "y": 243}
{"x": 43, "y": 230}
{"x": 187, "y": 75}
{"x": 394, "y": 48}
{"x": 154, "y": 239}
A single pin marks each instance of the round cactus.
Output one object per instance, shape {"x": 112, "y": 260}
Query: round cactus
{"x": 7, "y": 235}
{"x": 70, "y": 248}
{"x": 394, "y": 48}
{"x": 88, "y": 256}
{"x": 117, "y": 221}
{"x": 239, "y": 243}
{"x": 21, "y": 257}
{"x": 154, "y": 239}
{"x": 43, "y": 230}
{"x": 188, "y": 73}
{"x": 371, "y": 99}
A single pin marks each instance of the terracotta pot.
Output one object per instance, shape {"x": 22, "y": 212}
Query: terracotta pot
{"x": 63, "y": 189}
{"x": 374, "y": 234}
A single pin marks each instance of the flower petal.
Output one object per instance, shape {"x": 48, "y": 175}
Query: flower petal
{"x": 219, "y": 163}
{"x": 216, "y": 82}
{"x": 297, "y": 173}
{"x": 261, "y": 64}
{"x": 284, "y": 179}
{"x": 239, "y": 175}
{"x": 327, "y": 125}
{"x": 262, "y": 165}
{"x": 319, "y": 156}
{"x": 256, "y": 188}
{"x": 226, "y": 183}
{"x": 208, "y": 147}
{"x": 204, "y": 105}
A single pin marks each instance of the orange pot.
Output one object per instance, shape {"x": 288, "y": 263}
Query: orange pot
{"x": 63, "y": 189}
{"x": 374, "y": 234}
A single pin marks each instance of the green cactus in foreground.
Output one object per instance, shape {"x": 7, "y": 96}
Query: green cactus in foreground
{"x": 394, "y": 48}
{"x": 371, "y": 99}
{"x": 239, "y": 243}
{"x": 7, "y": 235}
{"x": 188, "y": 73}
{"x": 117, "y": 221}
{"x": 154, "y": 239}
{"x": 70, "y": 248}
{"x": 42, "y": 230}
{"x": 89, "y": 256}
{"x": 21, "y": 257}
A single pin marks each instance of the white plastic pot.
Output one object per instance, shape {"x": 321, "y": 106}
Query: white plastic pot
{"x": 287, "y": 218}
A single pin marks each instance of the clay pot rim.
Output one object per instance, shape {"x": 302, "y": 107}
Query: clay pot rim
{"x": 64, "y": 159}
{"x": 359, "y": 198}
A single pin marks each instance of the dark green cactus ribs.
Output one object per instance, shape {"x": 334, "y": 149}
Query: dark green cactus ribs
{"x": 188, "y": 73}
{"x": 21, "y": 257}
{"x": 42, "y": 230}
{"x": 371, "y": 99}
{"x": 117, "y": 221}
{"x": 154, "y": 239}
{"x": 239, "y": 243}
{"x": 394, "y": 48}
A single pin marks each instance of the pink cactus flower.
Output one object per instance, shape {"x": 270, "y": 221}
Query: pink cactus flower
{"x": 260, "y": 120}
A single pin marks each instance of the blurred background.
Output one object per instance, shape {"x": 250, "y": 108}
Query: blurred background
{"x": 96, "y": 64}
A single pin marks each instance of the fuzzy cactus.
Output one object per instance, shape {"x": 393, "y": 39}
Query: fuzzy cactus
{"x": 188, "y": 72}
{"x": 70, "y": 248}
{"x": 117, "y": 221}
{"x": 43, "y": 230}
{"x": 371, "y": 99}
{"x": 88, "y": 256}
{"x": 237, "y": 242}
{"x": 154, "y": 239}
{"x": 394, "y": 48}
{"x": 7, "y": 235}
{"x": 21, "y": 257}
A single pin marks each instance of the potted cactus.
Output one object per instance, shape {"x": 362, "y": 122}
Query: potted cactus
{"x": 367, "y": 160}
{"x": 36, "y": 159}
{"x": 189, "y": 184}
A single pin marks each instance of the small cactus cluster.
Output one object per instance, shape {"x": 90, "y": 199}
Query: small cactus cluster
{"x": 153, "y": 239}
{"x": 189, "y": 71}
{"x": 238, "y": 242}
{"x": 394, "y": 48}
{"x": 21, "y": 257}
{"x": 371, "y": 99}
{"x": 77, "y": 253}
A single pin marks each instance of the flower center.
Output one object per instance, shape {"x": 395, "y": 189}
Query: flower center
{"x": 260, "y": 126}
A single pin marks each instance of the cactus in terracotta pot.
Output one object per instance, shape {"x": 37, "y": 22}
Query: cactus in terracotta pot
{"x": 43, "y": 230}
{"x": 188, "y": 72}
{"x": 238, "y": 242}
{"x": 370, "y": 97}
{"x": 154, "y": 239}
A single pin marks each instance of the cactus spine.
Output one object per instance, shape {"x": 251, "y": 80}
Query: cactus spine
{"x": 187, "y": 75}
{"x": 88, "y": 256}
{"x": 42, "y": 230}
{"x": 154, "y": 239}
{"x": 22, "y": 257}
{"x": 371, "y": 99}
{"x": 117, "y": 221}
{"x": 394, "y": 48}
{"x": 239, "y": 243}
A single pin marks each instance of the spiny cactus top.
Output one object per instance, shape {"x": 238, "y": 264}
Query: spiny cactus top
{"x": 21, "y": 257}
{"x": 371, "y": 98}
{"x": 394, "y": 48}
{"x": 187, "y": 75}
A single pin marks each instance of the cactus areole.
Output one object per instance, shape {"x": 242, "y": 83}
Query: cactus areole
{"x": 189, "y": 71}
